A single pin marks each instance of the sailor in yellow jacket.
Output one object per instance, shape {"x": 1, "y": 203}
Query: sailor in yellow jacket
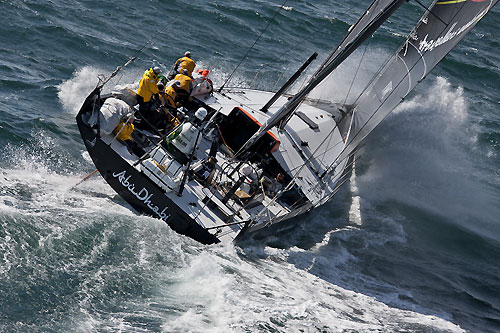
{"x": 183, "y": 63}
{"x": 147, "y": 87}
{"x": 124, "y": 129}
{"x": 123, "y": 133}
{"x": 170, "y": 97}
{"x": 186, "y": 86}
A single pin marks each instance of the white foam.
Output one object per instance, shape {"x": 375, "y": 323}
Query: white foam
{"x": 224, "y": 292}
{"x": 72, "y": 93}
{"x": 32, "y": 169}
{"x": 213, "y": 289}
{"x": 355, "y": 210}
{"x": 427, "y": 157}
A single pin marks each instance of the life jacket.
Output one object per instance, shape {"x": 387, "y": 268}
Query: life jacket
{"x": 186, "y": 82}
{"x": 185, "y": 63}
{"x": 147, "y": 86}
{"x": 124, "y": 131}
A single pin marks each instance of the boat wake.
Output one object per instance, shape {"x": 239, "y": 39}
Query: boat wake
{"x": 420, "y": 157}
{"x": 226, "y": 286}
{"x": 72, "y": 92}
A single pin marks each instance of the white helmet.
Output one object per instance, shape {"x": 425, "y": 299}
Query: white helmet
{"x": 201, "y": 113}
{"x": 156, "y": 70}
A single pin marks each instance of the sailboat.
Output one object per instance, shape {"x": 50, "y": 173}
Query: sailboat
{"x": 237, "y": 160}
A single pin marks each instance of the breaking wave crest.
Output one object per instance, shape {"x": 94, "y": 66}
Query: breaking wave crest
{"x": 72, "y": 93}
{"x": 420, "y": 156}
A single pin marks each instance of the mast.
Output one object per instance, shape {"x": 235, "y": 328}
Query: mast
{"x": 378, "y": 12}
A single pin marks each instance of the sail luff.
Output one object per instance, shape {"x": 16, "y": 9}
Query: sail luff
{"x": 378, "y": 12}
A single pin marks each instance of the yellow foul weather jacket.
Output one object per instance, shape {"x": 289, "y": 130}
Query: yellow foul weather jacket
{"x": 124, "y": 131}
{"x": 186, "y": 82}
{"x": 170, "y": 97}
{"x": 147, "y": 86}
{"x": 185, "y": 63}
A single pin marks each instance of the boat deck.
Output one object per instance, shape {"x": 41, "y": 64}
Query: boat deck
{"x": 204, "y": 203}
{"x": 306, "y": 148}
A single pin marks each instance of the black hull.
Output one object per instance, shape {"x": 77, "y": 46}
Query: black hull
{"x": 139, "y": 191}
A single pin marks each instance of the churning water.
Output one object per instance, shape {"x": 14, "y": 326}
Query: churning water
{"x": 410, "y": 244}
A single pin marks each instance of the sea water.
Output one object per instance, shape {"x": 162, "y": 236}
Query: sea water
{"x": 410, "y": 244}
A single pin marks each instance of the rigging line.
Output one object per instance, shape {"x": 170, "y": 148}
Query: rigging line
{"x": 341, "y": 172}
{"x": 376, "y": 74}
{"x": 347, "y": 95}
{"x": 402, "y": 79}
{"x": 321, "y": 154}
{"x": 341, "y": 181}
{"x": 251, "y": 47}
{"x": 330, "y": 56}
{"x": 391, "y": 57}
{"x": 119, "y": 68}
{"x": 351, "y": 42}
{"x": 337, "y": 187}
{"x": 212, "y": 194}
{"x": 282, "y": 56}
{"x": 162, "y": 30}
{"x": 328, "y": 148}
{"x": 408, "y": 72}
{"x": 357, "y": 70}
{"x": 316, "y": 150}
{"x": 225, "y": 225}
{"x": 345, "y": 100}
{"x": 146, "y": 155}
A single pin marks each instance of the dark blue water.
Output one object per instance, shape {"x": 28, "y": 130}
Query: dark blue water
{"x": 410, "y": 244}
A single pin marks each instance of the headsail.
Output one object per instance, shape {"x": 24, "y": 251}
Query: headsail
{"x": 374, "y": 16}
{"x": 437, "y": 32}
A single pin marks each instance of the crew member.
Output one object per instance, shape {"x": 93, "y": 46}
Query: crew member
{"x": 170, "y": 97}
{"x": 123, "y": 132}
{"x": 186, "y": 86}
{"x": 147, "y": 87}
{"x": 183, "y": 63}
{"x": 125, "y": 128}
